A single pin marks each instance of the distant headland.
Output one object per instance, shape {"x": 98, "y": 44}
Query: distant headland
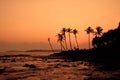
{"x": 33, "y": 50}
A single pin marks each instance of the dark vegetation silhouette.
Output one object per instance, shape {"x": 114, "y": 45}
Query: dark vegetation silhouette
{"x": 60, "y": 39}
{"x": 50, "y": 44}
{"x": 69, "y": 30}
{"x": 88, "y": 31}
{"x": 106, "y": 48}
{"x": 98, "y": 33}
{"x": 75, "y": 32}
{"x": 64, "y": 30}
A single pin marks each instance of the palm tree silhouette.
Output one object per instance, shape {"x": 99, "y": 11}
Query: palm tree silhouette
{"x": 98, "y": 32}
{"x": 69, "y": 30}
{"x": 75, "y": 31}
{"x": 50, "y": 44}
{"x": 64, "y": 30}
{"x": 88, "y": 31}
{"x": 60, "y": 39}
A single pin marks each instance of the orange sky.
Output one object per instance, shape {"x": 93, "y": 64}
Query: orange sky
{"x": 33, "y": 21}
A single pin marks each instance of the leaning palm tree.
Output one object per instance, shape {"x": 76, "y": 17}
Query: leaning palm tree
{"x": 88, "y": 31}
{"x": 60, "y": 39}
{"x": 69, "y": 30}
{"x": 64, "y": 30}
{"x": 98, "y": 32}
{"x": 75, "y": 31}
{"x": 50, "y": 44}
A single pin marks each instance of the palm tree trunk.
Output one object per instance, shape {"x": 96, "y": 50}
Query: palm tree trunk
{"x": 89, "y": 39}
{"x": 66, "y": 43}
{"x": 62, "y": 47}
{"x": 70, "y": 41}
{"x": 51, "y": 45}
{"x": 76, "y": 41}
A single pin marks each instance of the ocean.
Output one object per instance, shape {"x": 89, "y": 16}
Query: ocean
{"x": 26, "y": 53}
{"x": 32, "y": 67}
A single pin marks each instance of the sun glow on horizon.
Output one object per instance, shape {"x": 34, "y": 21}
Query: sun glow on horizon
{"x": 33, "y": 21}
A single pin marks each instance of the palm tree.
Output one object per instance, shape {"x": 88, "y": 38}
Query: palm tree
{"x": 50, "y": 44}
{"x": 64, "y": 30}
{"x": 60, "y": 39}
{"x": 88, "y": 31}
{"x": 69, "y": 30}
{"x": 98, "y": 32}
{"x": 75, "y": 31}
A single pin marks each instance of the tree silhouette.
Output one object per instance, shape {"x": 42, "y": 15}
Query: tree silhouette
{"x": 69, "y": 30}
{"x": 50, "y": 44}
{"x": 64, "y": 30}
{"x": 97, "y": 41}
{"x": 60, "y": 39}
{"x": 88, "y": 31}
{"x": 75, "y": 31}
{"x": 98, "y": 32}
{"x": 109, "y": 38}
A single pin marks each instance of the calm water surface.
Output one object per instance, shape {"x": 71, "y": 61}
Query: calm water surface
{"x": 26, "y": 53}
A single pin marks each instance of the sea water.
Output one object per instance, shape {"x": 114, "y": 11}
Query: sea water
{"x": 19, "y": 68}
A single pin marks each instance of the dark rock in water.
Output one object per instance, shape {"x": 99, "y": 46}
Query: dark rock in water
{"x": 29, "y": 65}
{"x": 74, "y": 65}
{"x": 2, "y": 70}
{"x": 65, "y": 65}
{"x": 89, "y": 74}
{"x": 90, "y": 78}
{"x": 26, "y": 65}
{"x": 13, "y": 60}
{"x": 32, "y": 66}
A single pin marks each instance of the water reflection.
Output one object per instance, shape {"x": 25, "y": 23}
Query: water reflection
{"x": 19, "y": 68}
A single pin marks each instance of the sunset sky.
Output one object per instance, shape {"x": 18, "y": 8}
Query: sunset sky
{"x": 27, "y": 24}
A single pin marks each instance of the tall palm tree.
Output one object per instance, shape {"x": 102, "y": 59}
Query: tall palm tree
{"x": 98, "y": 32}
{"x": 75, "y": 31}
{"x": 60, "y": 39}
{"x": 69, "y": 30}
{"x": 88, "y": 31}
{"x": 64, "y": 30}
{"x": 50, "y": 44}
